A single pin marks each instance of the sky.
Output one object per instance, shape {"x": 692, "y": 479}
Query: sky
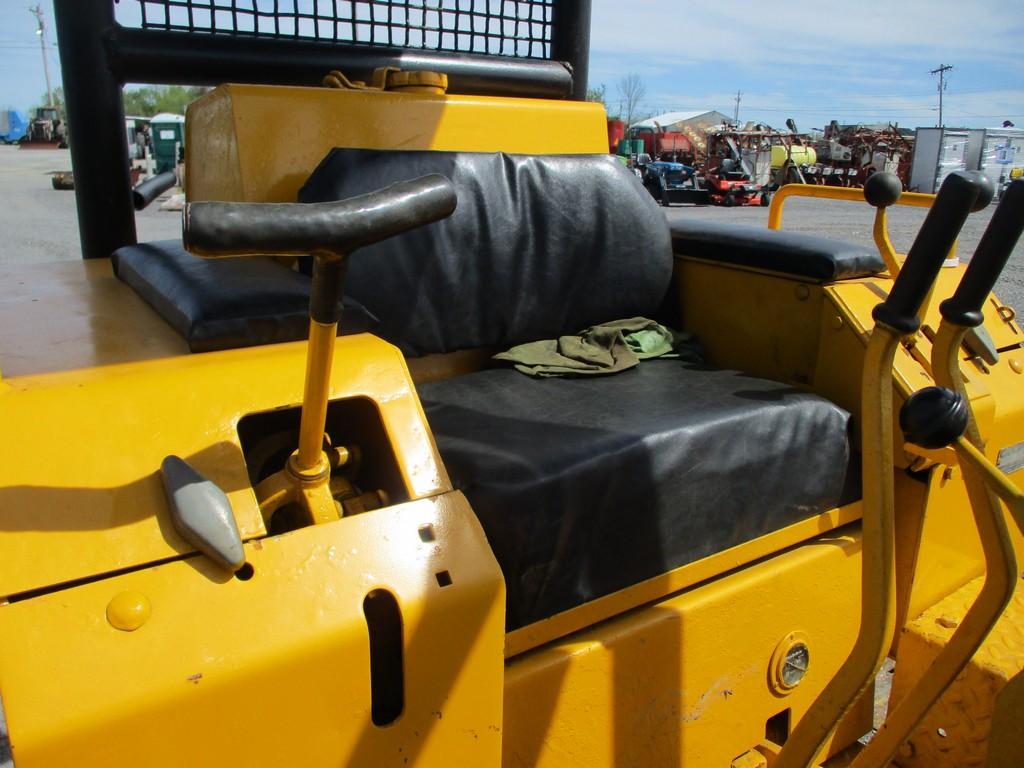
{"x": 867, "y": 61}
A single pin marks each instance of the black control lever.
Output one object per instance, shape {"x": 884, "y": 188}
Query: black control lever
{"x": 959, "y": 195}
{"x": 329, "y": 231}
{"x": 213, "y": 230}
{"x": 1001, "y": 235}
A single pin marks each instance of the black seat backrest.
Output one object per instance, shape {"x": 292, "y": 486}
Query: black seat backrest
{"x": 539, "y": 246}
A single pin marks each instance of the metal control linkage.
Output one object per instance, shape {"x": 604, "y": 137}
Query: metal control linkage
{"x": 882, "y": 190}
{"x": 937, "y": 417}
{"x": 331, "y": 232}
{"x": 895, "y": 318}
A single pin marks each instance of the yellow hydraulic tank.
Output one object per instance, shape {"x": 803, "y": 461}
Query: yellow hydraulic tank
{"x": 259, "y": 143}
{"x": 799, "y": 155}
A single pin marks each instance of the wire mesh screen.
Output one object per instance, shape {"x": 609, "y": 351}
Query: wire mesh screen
{"x": 502, "y": 27}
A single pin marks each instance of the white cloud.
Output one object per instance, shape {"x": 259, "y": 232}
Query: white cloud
{"x": 803, "y": 32}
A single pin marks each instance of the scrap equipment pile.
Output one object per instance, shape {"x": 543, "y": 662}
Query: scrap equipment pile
{"x": 849, "y": 154}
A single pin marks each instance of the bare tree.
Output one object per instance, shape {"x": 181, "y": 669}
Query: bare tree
{"x": 631, "y": 92}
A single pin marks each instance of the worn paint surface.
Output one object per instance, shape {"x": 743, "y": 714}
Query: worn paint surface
{"x": 80, "y": 490}
{"x": 956, "y": 731}
{"x": 686, "y": 681}
{"x": 273, "y": 670}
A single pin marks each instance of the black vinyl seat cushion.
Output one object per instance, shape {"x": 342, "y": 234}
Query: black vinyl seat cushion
{"x": 586, "y": 486}
{"x": 225, "y": 303}
{"x": 539, "y": 246}
{"x": 808, "y": 257}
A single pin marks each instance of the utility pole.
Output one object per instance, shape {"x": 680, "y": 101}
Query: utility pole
{"x": 38, "y": 13}
{"x": 736, "y": 112}
{"x": 941, "y": 72}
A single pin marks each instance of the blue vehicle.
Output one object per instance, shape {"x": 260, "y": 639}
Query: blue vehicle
{"x": 13, "y": 126}
{"x": 673, "y": 183}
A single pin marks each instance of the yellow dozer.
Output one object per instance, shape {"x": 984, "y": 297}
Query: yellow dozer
{"x": 267, "y": 498}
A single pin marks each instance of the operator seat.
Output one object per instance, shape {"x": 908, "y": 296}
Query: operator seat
{"x": 583, "y": 486}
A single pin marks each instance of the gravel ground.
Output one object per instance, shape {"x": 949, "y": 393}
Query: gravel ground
{"x": 40, "y": 224}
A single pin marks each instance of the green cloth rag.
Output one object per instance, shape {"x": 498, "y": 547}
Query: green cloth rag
{"x": 601, "y": 349}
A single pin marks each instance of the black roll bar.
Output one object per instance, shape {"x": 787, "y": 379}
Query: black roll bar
{"x": 99, "y": 56}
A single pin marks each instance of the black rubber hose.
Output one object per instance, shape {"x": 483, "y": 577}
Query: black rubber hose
{"x": 149, "y": 190}
{"x": 984, "y": 268}
{"x": 214, "y": 230}
{"x": 941, "y": 226}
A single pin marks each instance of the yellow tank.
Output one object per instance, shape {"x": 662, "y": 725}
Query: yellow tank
{"x": 800, "y": 155}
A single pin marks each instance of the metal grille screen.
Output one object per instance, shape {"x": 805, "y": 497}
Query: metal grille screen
{"x": 503, "y": 27}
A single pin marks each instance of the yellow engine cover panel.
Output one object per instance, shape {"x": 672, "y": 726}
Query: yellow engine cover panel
{"x": 273, "y": 670}
{"x": 688, "y": 680}
{"x": 259, "y": 143}
{"x": 80, "y": 489}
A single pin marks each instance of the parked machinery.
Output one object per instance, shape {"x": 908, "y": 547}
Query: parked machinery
{"x": 792, "y": 153}
{"x": 738, "y": 166}
{"x": 670, "y": 146}
{"x": 848, "y": 154}
{"x": 670, "y": 183}
{"x": 46, "y": 129}
{"x": 13, "y": 126}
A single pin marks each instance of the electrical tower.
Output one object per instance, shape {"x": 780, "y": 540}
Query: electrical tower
{"x": 38, "y": 13}
{"x": 941, "y": 72}
{"x": 736, "y": 112}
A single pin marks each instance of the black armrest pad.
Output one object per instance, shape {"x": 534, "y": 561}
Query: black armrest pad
{"x": 225, "y": 303}
{"x": 811, "y": 258}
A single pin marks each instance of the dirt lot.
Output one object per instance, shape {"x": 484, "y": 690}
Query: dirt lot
{"x": 39, "y": 223}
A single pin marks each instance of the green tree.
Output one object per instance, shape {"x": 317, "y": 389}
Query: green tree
{"x": 140, "y": 102}
{"x": 58, "y": 99}
{"x": 153, "y": 99}
{"x": 599, "y": 95}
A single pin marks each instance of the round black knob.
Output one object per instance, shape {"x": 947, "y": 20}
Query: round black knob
{"x": 986, "y": 190}
{"x": 883, "y": 189}
{"x": 933, "y": 417}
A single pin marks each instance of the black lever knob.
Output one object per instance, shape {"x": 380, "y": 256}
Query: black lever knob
{"x": 1001, "y": 235}
{"x": 933, "y": 417}
{"x": 957, "y": 197}
{"x": 883, "y": 189}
